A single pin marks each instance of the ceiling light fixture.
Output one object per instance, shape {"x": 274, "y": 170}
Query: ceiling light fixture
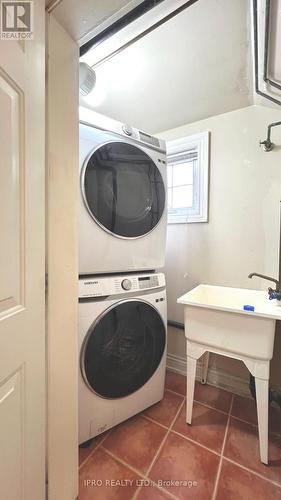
{"x": 87, "y": 79}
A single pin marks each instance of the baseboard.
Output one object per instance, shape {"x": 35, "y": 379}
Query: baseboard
{"x": 218, "y": 378}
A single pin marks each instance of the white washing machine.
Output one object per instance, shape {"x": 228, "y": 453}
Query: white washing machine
{"x": 122, "y": 346}
{"x": 123, "y": 213}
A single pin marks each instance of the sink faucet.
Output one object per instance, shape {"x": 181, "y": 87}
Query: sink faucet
{"x": 277, "y": 282}
{"x": 265, "y": 278}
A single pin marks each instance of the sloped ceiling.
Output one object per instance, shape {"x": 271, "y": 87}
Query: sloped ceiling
{"x": 196, "y": 65}
{"x": 79, "y": 17}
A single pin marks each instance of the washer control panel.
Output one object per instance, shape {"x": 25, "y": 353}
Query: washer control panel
{"x": 148, "y": 281}
{"x": 104, "y": 286}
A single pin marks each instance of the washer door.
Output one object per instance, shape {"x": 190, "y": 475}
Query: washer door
{"x": 123, "y": 349}
{"x": 123, "y": 190}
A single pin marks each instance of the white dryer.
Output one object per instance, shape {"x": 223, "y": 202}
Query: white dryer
{"x": 123, "y": 213}
{"x": 122, "y": 346}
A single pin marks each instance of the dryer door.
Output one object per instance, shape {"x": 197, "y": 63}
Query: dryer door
{"x": 123, "y": 189}
{"x": 123, "y": 348}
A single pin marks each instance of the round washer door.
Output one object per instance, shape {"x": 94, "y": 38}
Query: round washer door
{"x": 123, "y": 348}
{"x": 123, "y": 190}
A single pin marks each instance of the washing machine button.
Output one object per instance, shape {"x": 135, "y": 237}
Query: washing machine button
{"x": 126, "y": 284}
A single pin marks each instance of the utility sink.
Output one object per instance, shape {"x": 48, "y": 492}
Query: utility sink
{"x": 214, "y": 316}
{"x": 215, "y": 321}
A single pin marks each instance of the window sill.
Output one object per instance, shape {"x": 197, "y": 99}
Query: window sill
{"x": 191, "y": 220}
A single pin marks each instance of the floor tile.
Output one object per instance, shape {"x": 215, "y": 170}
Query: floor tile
{"x": 238, "y": 484}
{"x": 182, "y": 460}
{"x": 85, "y": 452}
{"x": 208, "y": 426}
{"x": 152, "y": 493}
{"x": 212, "y": 396}
{"x": 242, "y": 446}
{"x": 165, "y": 411}
{"x": 245, "y": 408}
{"x": 101, "y": 470}
{"x": 136, "y": 441}
{"x": 175, "y": 382}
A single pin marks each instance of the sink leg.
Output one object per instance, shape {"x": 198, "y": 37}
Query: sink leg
{"x": 262, "y": 409}
{"x": 190, "y": 383}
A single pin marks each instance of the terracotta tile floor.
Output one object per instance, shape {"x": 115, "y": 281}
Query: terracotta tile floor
{"x": 157, "y": 456}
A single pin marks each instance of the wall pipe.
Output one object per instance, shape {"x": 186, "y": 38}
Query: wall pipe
{"x": 175, "y": 324}
{"x": 267, "y": 144}
{"x": 266, "y": 48}
{"x": 256, "y": 57}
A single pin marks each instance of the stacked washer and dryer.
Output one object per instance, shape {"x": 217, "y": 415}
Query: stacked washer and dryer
{"x": 122, "y": 295}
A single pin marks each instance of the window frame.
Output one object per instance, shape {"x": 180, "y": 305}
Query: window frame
{"x": 200, "y": 143}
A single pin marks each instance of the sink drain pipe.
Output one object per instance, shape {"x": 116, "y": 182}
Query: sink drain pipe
{"x": 205, "y": 358}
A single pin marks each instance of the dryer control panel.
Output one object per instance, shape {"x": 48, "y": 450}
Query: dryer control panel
{"x": 104, "y": 286}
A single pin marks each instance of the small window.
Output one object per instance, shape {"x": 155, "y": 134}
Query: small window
{"x": 188, "y": 171}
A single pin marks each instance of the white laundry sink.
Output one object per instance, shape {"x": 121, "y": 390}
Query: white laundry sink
{"x": 214, "y": 316}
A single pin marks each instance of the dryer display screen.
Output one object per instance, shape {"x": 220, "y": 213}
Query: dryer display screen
{"x": 123, "y": 189}
{"x": 123, "y": 349}
{"x": 148, "y": 282}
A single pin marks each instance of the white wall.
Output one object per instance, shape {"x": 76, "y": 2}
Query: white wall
{"x": 242, "y": 234}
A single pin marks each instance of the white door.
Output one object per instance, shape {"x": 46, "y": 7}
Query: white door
{"x": 22, "y": 255}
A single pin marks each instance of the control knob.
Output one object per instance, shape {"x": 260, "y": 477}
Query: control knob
{"x": 126, "y": 284}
